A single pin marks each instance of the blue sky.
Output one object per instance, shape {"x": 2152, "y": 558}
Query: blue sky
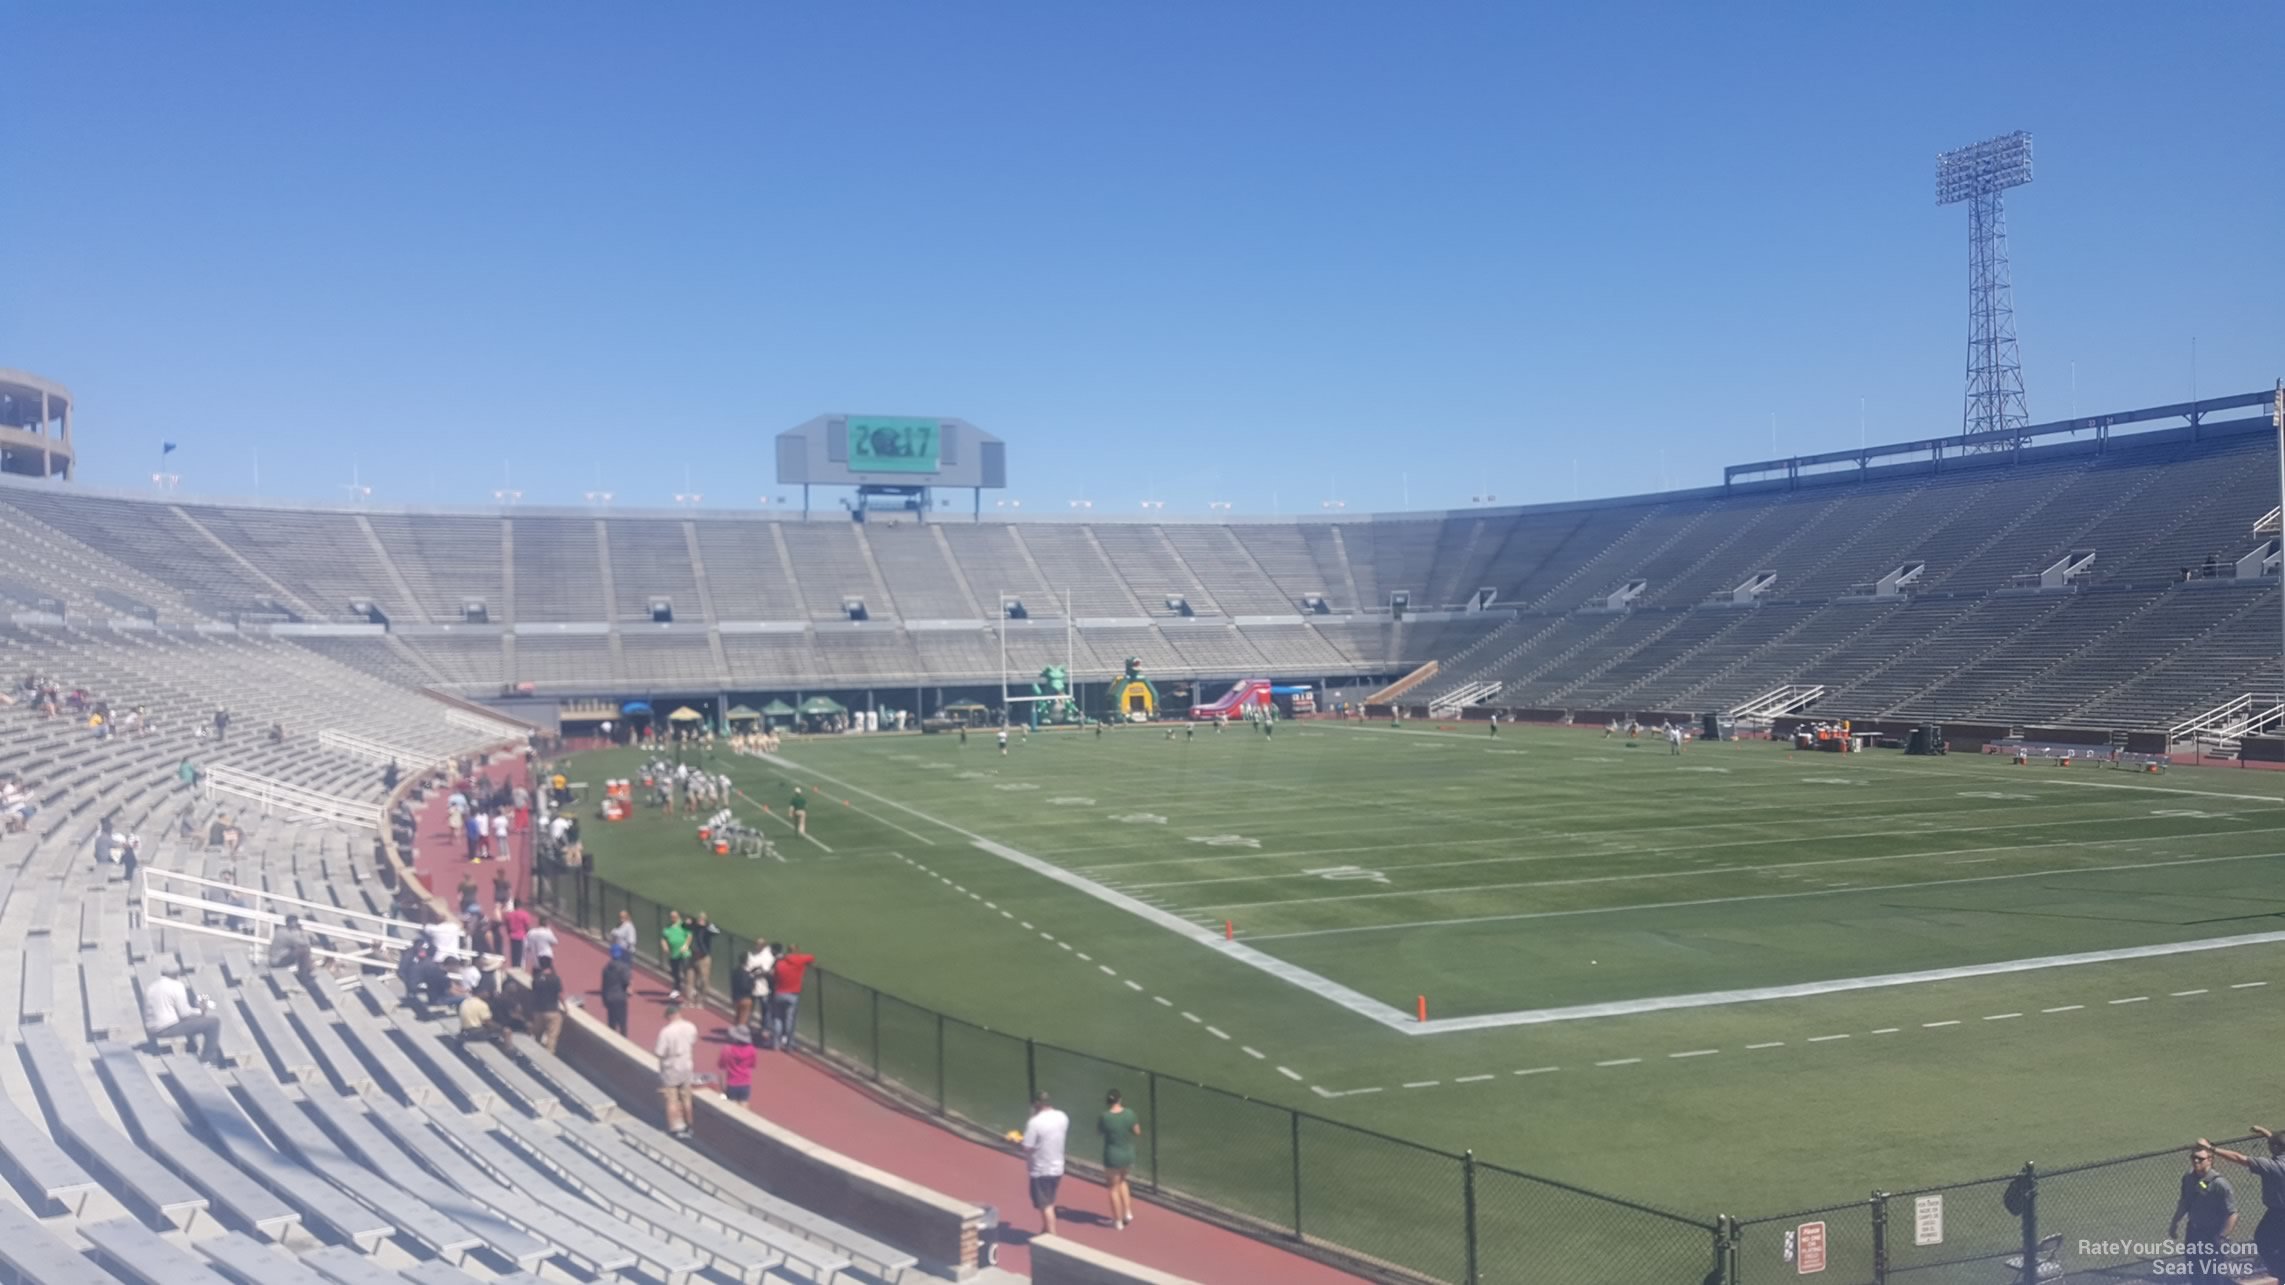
{"x": 1263, "y": 253}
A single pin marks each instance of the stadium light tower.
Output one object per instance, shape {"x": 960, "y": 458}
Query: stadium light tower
{"x": 1976, "y": 176}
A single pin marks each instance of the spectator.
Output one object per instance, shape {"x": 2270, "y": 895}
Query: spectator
{"x": 291, "y": 947}
{"x": 751, "y": 983}
{"x": 2203, "y": 1217}
{"x": 1119, "y": 1128}
{"x": 623, "y": 934}
{"x": 2269, "y": 1233}
{"x": 702, "y": 935}
{"x": 170, "y": 1012}
{"x": 516, "y": 922}
{"x": 131, "y": 857}
{"x": 389, "y": 776}
{"x": 500, "y": 835}
{"x": 547, "y": 1005}
{"x": 674, "y": 948}
{"x": 476, "y": 1018}
{"x": 618, "y": 978}
{"x": 785, "y": 994}
{"x": 737, "y": 1064}
{"x": 1043, "y": 1138}
{"x": 186, "y": 772}
{"x": 677, "y": 1042}
{"x": 472, "y": 830}
{"x": 540, "y": 942}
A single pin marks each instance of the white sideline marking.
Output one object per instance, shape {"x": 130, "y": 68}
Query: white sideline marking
{"x": 1086, "y": 958}
{"x": 1161, "y": 999}
{"x": 2180, "y": 994}
{"x": 2001, "y": 1017}
{"x": 1133, "y": 985}
{"x": 1404, "y": 1022}
{"x": 1888, "y": 1030}
{"x": 1289, "y": 1073}
{"x": 2063, "y": 1008}
{"x": 1820, "y": 1039}
{"x": 2246, "y": 986}
{"x": 1252, "y": 1052}
{"x": 1005, "y": 915}
{"x": 1414, "y": 1084}
{"x": 1191, "y": 1017}
{"x": 1027, "y": 925}
{"x": 992, "y": 905}
{"x": 1620, "y": 1061}
{"x": 975, "y": 896}
{"x": 1691, "y": 1053}
{"x": 1354, "y": 1092}
{"x": 1064, "y": 944}
{"x": 1108, "y": 971}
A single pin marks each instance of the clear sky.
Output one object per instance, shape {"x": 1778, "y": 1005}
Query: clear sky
{"x": 1261, "y": 252}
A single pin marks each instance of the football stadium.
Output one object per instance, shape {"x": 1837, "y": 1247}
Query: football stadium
{"x": 1859, "y": 866}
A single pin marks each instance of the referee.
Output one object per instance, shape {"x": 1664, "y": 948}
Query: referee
{"x": 2269, "y": 1233}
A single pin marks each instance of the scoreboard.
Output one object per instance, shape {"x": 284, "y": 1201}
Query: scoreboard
{"x": 891, "y": 450}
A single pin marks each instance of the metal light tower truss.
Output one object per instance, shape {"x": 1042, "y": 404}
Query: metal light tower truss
{"x": 1976, "y": 176}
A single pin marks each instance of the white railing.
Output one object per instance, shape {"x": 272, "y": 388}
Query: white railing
{"x": 366, "y": 747}
{"x": 1778, "y": 701}
{"x": 1475, "y": 693}
{"x": 252, "y": 916}
{"x": 2233, "y": 720}
{"x": 459, "y": 717}
{"x": 272, "y": 796}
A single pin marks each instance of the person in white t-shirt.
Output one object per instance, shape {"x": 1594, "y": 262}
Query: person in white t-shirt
{"x": 170, "y": 1013}
{"x": 677, "y": 1043}
{"x": 1043, "y": 1140}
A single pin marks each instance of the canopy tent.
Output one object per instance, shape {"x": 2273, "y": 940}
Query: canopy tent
{"x": 635, "y": 708}
{"x": 685, "y": 715}
{"x": 823, "y": 705}
{"x": 779, "y": 709}
{"x": 741, "y": 714}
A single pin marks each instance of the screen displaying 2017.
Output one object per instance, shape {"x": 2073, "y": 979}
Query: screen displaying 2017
{"x": 883, "y": 445}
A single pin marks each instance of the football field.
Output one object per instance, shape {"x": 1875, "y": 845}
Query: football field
{"x": 1816, "y": 974}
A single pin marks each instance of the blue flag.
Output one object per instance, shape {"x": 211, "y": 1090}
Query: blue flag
{"x": 166, "y": 448}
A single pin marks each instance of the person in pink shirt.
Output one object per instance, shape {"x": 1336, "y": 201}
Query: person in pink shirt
{"x": 518, "y": 922}
{"x": 737, "y": 1064}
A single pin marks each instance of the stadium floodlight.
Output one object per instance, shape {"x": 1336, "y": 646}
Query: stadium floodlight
{"x": 1483, "y": 499}
{"x": 166, "y": 481}
{"x": 1332, "y": 504}
{"x": 1082, "y": 504}
{"x": 601, "y": 499}
{"x": 688, "y": 499}
{"x": 1007, "y": 504}
{"x": 1154, "y": 504}
{"x": 1219, "y": 506}
{"x": 506, "y": 496}
{"x": 1976, "y": 176}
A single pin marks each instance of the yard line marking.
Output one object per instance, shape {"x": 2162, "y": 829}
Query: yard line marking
{"x": 1191, "y": 1017}
{"x": 1354, "y": 1092}
{"x": 1414, "y": 1084}
{"x": 2246, "y": 986}
{"x": 1929, "y": 1026}
{"x": 1217, "y": 1032}
{"x": 2179, "y": 994}
{"x": 1538, "y": 1070}
{"x": 1473, "y": 1079}
{"x": 1005, "y": 915}
{"x": 1134, "y": 985}
{"x": 2063, "y": 1008}
{"x": 1161, "y": 999}
{"x": 992, "y": 905}
{"x": 1086, "y": 958}
{"x": 2001, "y": 1017}
{"x": 1027, "y": 926}
{"x": 2132, "y": 999}
{"x": 1289, "y": 1073}
{"x": 1108, "y": 971}
{"x": 1064, "y": 944}
{"x": 1773, "y": 1044}
{"x": 1620, "y": 1061}
{"x": 1888, "y": 1030}
{"x": 1691, "y": 1053}
{"x": 975, "y": 896}
{"x": 1251, "y": 1051}
{"x": 1820, "y": 1039}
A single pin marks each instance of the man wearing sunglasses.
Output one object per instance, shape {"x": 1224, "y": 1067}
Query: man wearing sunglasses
{"x": 2203, "y": 1218}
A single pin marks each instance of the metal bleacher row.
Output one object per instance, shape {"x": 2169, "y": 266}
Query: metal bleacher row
{"x": 570, "y": 603}
{"x": 348, "y": 1141}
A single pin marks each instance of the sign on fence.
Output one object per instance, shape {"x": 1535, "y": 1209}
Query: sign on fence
{"x": 1809, "y": 1249}
{"x": 1928, "y": 1220}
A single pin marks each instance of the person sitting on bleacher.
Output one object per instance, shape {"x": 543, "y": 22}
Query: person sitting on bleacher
{"x": 291, "y": 947}
{"x": 171, "y": 1012}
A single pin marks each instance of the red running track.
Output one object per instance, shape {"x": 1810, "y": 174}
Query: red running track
{"x": 794, "y": 1092}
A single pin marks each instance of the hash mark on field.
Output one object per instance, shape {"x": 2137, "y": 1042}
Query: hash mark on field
{"x": 1929, "y": 1026}
{"x": 1133, "y": 985}
{"x": 1252, "y": 1052}
{"x": 1189, "y": 1016}
{"x": 2131, "y": 999}
{"x": 975, "y": 896}
{"x": 1820, "y": 1039}
{"x": 1538, "y": 1070}
{"x": 1027, "y": 926}
{"x": 1161, "y": 999}
{"x": 2246, "y": 986}
{"x": 1473, "y": 1079}
{"x": 1084, "y": 957}
{"x": 1773, "y": 1044}
{"x": 2063, "y": 1008}
{"x": 1108, "y": 971}
{"x": 991, "y": 905}
{"x": 2001, "y": 1017}
{"x": 2180, "y": 994}
{"x": 1289, "y": 1073}
{"x": 1696, "y": 1053}
{"x": 1412, "y": 1084}
{"x": 1354, "y": 1092}
{"x": 1217, "y": 1032}
{"x": 1888, "y": 1030}
{"x": 1620, "y": 1061}
{"x": 1005, "y": 915}
{"x": 1064, "y": 944}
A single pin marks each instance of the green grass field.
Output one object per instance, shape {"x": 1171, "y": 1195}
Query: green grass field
{"x": 1511, "y": 879}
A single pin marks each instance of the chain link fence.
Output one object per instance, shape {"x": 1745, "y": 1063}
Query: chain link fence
{"x": 1403, "y": 1210}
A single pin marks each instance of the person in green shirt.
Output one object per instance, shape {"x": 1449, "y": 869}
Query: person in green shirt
{"x": 674, "y": 947}
{"x": 799, "y": 806}
{"x": 1119, "y": 1127}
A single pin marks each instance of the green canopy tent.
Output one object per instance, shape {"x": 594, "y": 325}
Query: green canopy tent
{"x": 741, "y": 714}
{"x": 777, "y": 713}
{"x": 817, "y": 709}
